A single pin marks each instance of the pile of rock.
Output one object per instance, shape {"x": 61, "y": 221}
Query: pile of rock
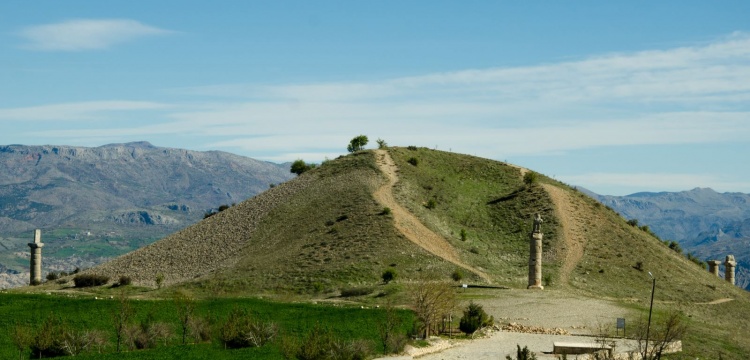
{"x": 516, "y": 327}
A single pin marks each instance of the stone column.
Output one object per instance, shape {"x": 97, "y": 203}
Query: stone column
{"x": 535, "y": 255}
{"x": 35, "y": 266}
{"x": 713, "y": 267}
{"x": 729, "y": 265}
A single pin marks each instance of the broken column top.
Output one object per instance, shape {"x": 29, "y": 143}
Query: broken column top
{"x": 37, "y": 239}
{"x": 730, "y": 260}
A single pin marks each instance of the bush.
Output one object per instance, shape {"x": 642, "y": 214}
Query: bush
{"x": 638, "y": 266}
{"x": 547, "y": 280}
{"x": 388, "y": 275}
{"x": 457, "y": 275}
{"x": 240, "y": 330}
{"x": 431, "y": 204}
{"x": 89, "y": 280}
{"x": 412, "y": 148}
{"x": 530, "y": 178}
{"x": 321, "y": 344}
{"x": 474, "y": 318}
{"x": 463, "y": 234}
{"x": 633, "y": 222}
{"x": 159, "y": 280}
{"x": 124, "y": 280}
{"x": 381, "y": 144}
{"x": 48, "y": 340}
{"x": 147, "y": 334}
{"x": 386, "y": 211}
{"x": 414, "y": 161}
{"x": 674, "y": 245}
{"x": 696, "y": 260}
{"x": 52, "y": 276}
{"x": 522, "y": 354}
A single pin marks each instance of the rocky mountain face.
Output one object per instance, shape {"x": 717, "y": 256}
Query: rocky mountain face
{"x": 100, "y": 202}
{"x": 706, "y": 223}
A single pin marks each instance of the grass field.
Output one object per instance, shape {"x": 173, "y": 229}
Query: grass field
{"x": 296, "y": 320}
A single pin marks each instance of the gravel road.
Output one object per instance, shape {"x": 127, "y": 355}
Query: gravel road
{"x": 578, "y": 315}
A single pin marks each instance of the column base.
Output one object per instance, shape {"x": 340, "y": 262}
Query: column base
{"x": 535, "y": 287}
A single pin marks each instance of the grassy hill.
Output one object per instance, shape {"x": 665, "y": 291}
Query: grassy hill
{"x": 324, "y": 232}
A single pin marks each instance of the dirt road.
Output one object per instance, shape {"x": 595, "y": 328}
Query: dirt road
{"x": 409, "y": 225}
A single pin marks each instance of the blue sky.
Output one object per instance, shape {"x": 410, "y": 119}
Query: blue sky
{"x": 618, "y": 97}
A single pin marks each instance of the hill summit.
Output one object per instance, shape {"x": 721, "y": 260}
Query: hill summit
{"x": 334, "y": 226}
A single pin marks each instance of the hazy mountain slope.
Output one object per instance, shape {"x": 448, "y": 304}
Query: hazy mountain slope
{"x": 107, "y": 200}
{"x": 708, "y": 224}
{"x": 682, "y": 215}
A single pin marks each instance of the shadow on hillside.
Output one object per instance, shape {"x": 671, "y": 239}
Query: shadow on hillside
{"x": 508, "y": 197}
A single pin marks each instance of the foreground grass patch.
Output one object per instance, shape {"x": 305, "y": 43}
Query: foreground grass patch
{"x": 294, "y": 320}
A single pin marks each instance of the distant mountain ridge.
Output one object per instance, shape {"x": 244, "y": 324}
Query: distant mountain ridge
{"x": 706, "y": 223}
{"x": 127, "y": 194}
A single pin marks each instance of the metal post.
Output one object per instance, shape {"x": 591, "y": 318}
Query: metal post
{"x": 651, "y": 308}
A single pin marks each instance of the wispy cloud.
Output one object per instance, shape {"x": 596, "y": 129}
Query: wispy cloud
{"x": 86, "y": 34}
{"x": 76, "y": 111}
{"x": 688, "y": 95}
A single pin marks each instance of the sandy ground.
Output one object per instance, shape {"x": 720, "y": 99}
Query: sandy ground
{"x": 580, "y": 316}
{"x": 572, "y": 234}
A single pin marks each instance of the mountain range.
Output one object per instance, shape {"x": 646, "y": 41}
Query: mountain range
{"x": 95, "y": 203}
{"x": 708, "y": 224}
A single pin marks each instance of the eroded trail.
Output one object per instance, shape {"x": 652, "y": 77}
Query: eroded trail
{"x": 409, "y": 225}
{"x": 572, "y": 231}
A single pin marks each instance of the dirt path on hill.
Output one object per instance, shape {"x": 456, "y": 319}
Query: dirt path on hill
{"x": 408, "y": 224}
{"x": 572, "y": 231}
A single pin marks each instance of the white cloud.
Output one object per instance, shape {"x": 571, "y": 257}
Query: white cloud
{"x": 76, "y": 111}
{"x": 86, "y": 34}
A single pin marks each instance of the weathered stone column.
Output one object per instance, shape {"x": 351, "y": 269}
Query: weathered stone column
{"x": 729, "y": 265}
{"x": 535, "y": 255}
{"x": 35, "y": 266}
{"x": 713, "y": 267}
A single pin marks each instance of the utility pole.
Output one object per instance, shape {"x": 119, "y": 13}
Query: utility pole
{"x": 650, "y": 309}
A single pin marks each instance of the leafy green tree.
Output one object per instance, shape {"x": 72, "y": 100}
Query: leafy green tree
{"x": 357, "y": 143}
{"x": 299, "y": 166}
{"x": 185, "y": 304}
{"x": 121, "y": 316}
{"x": 22, "y": 336}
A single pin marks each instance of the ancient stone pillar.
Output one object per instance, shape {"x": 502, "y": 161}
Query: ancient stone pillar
{"x": 535, "y": 255}
{"x": 35, "y": 266}
{"x": 713, "y": 267}
{"x": 729, "y": 265}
